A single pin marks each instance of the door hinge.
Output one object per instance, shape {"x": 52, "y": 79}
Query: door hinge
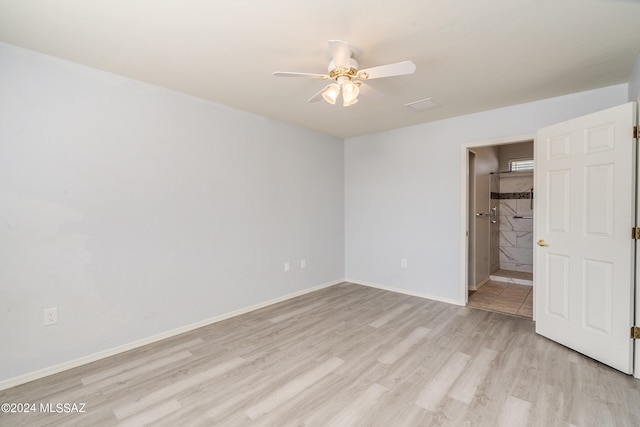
{"x": 635, "y": 233}
{"x": 636, "y": 132}
{"x": 635, "y": 332}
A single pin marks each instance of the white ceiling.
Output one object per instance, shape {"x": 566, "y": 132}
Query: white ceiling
{"x": 471, "y": 55}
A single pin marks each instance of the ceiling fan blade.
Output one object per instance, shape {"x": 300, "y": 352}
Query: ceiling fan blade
{"x": 318, "y": 96}
{"x": 341, "y": 53}
{"x": 294, "y": 74}
{"x": 369, "y": 91}
{"x": 397, "y": 69}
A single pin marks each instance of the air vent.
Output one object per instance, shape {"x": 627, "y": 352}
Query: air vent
{"x": 421, "y": 105}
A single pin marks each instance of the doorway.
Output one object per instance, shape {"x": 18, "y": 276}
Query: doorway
{"x": 499, "y": 223}
{"x": 585, "y": 263}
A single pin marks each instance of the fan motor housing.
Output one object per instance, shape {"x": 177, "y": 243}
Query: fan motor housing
{"x": 335, "y": 72}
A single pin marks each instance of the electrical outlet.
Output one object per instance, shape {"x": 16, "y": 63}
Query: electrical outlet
{"x": 50, "y": 316}
{"x": 403, "y": 263}
{"x": 286, "y": 266}
{"x": 303, "y": 263}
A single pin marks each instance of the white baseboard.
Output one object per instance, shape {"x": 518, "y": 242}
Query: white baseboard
{"x": 406, "y": 292}
{"x": 31, "y": 376}
{"x": 481, "y": 284}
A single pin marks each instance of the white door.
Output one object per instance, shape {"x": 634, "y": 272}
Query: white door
{"x": 585, "y": 209}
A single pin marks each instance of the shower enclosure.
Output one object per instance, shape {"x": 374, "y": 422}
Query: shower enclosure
{"x": 511, "y": 234}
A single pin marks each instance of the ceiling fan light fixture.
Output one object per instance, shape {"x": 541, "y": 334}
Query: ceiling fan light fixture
{"x": 350, "y": 92}
{"x": 331, "y": 93}
{"x": 345, "y": 76}
{"x": 346, "y": 104}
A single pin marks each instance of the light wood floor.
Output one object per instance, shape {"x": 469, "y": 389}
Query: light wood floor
{"x": 347, "y": 355}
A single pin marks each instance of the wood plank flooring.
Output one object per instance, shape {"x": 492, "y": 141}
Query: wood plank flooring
{"x": 347, "y": 355}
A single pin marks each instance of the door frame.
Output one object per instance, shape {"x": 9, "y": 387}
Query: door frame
{"x": 636, "y": 290}
{"x": 464, "y": 205}
{"x": 471, "y": 230}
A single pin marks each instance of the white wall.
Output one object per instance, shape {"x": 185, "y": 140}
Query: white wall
{"x": 634, "y": 82}
{"x": 135, "y": 210}
{"x": 402, "y": 191}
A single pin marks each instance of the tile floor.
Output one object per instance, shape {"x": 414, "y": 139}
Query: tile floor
{"x": 510, "y": 274}
{"x": 504, "y": 297}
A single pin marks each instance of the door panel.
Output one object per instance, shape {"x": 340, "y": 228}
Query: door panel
{"x": 599, "y": 200}
{"x": 559, "y": 147}
{"x": 557, "y": 285}
{"x": 585, "y": 173}
{"x": 598, "y": 295}
{"x": 559, "y": 194}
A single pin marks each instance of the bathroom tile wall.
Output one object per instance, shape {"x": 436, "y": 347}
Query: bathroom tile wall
{"x": 516, "y": 234}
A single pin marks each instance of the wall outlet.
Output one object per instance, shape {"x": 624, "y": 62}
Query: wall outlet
{"x": 286, "y": 266}
{"x": 50, "y": 316}
{"x": 303, "y": 263}
{"x": 403, "y": 263}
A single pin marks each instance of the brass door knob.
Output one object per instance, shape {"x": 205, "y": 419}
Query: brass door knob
{"x": 542, "y": 243}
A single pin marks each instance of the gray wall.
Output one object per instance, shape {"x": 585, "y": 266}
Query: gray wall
{"x": 634, "y": 82}
{"x": 135, "y": 210}
{"x": 486, "y": 162}
{"x": 522, "y": 150}
{"x": 402, "y": 191}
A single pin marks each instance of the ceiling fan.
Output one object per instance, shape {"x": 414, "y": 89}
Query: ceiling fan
{"x": 346, "y": 76}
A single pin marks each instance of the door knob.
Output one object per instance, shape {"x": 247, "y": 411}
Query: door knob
{"x": 542, "y": 243}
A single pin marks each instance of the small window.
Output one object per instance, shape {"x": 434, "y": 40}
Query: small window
{"x": 520, "y": 165}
